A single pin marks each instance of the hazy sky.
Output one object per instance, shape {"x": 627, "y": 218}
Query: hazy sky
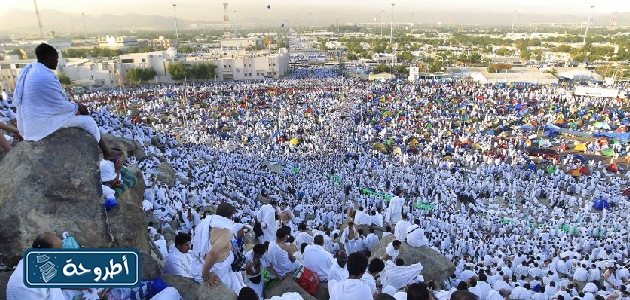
{"x": 291, "y": 9}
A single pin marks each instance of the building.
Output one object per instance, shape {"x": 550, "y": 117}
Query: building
{"x": 245, "y": 65}
{"x": 9, "y": 72}
{"x": 242, "y": 43}
{"x": 117, "y": 42}
{"x": 515, "y": 75}
{"x": 161, "y": 43}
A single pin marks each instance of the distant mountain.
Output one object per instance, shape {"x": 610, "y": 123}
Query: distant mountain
{"x": 18, "y": 21}
{"x": 22, "y": 21}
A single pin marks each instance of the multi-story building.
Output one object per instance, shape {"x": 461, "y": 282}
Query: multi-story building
{"x": 117, "y": 42}
{"x": 162, "y": 43}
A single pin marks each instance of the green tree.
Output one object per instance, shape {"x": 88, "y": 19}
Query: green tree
{"x": 178, "y": 71}
{"x": 322, "y": 45}
{"x": 185, "y": 49}
{"x": 401, "y": 70}
{"x": 405, "y": 56}
{"x": 553, "y": 71}
{"x": 351, "y": 56}
{"x": 64, "y": 79}
{"x": 381, "y": 68}
{"x": 203, "y": 71}
{"x": 138, "y": 75}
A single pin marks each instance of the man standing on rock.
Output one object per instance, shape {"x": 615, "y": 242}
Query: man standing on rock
{"x": 42, "y": 105}
{"x": 218, "y": 262}
{"x": 267, "y": 218}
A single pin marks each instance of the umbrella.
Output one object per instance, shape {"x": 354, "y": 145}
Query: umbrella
{"x": 612, "y": 168}
{"x": 551, "y": 169}
{"x": 580, "y": 147}
{"x": 380, "y": 147}
{"x": 608, "y": 152}
{"x": 600, "y": 204}
{"x": 580, "y": 158}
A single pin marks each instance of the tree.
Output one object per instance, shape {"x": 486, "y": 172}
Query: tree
{"x": 381, "y": 68}
{"x": 185, "y": 49}
{"x": 16, "y": 52}
{"x": 405, "y": 56}
{"x": 322, "y": 45}
{"x": 178, "y": 71}
{"x": 203, "y": 71}
{"x": 553, "y": 71}
{"x": 138, "y": 75}
{"x": 351, "y": 56}
{"x": 64, "y": 79}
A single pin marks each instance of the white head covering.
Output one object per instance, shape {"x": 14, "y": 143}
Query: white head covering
{"x": 108, "y": 171}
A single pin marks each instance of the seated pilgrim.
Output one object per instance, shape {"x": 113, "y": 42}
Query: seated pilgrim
{"x": 178, "y": 261}
{"x": 42, "y": 105}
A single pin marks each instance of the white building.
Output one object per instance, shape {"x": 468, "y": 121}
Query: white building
{"x": 117, "y": 42}
{"x": 242, "y": 65}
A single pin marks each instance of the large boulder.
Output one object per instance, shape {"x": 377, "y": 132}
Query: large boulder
{"x": 218, "y": 292}
{"x": 54, "y": 185}
{"x": 287, "y": 286}
{"x": 150, "y": 268}
{"x": 126, "y": 221}
{"x": 437, "y": 267}
{"x": 187, "y": 287}
{"x": 4, "y": 280}
{"x": 166, "y": 174}
{"x": 128, "y": 147}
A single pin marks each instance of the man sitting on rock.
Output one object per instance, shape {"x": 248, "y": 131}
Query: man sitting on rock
{"x": 352, "y": 288}
{"x": 179, "y": 262}
{"x": 43, "y": 106}
{"x": 317, "y": 259}
{"x": 281, "y": 256}
{"x": 392, "y": 251}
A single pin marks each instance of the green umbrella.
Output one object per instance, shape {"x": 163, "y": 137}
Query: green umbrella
{"x": 551, "y": 169}
{"x": 609, "y": 152}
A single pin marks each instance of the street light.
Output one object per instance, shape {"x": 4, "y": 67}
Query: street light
{"x": 176, "y": 30}
{"x": 514, "y": 20}
{"x": 588, "y": 22}
{"x": 391, "y": 37}
{"x": 85, "y": 25}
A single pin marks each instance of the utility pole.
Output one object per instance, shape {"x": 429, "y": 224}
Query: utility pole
{"x": 514, "y": 20}
{"x": 382, "y": 14}
{"x": 176, "y": 29}
{"x": 588, "y": 22}
{"x": 84, "y": 25}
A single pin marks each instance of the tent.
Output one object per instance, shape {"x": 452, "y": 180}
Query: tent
{"x": 380, "y": 147}
{"x": 580, "y": 158}
{"x": 551, "y": 169}
{"x": 626, "y": 192}
{"x": 575, "y": 172}
{"x": 294, "y": 141}
{"x": 608, "y": 152}
{"x": 580, "y": 147}
{"x": 545, "y": 143}
{"x": 600, "y": 204}
{"x": 397, "y": 151}
{"x": 527, "y": 127}
{"x": 612, "y": 168}
{"x": 584, "y": 171}
{"x": 601, "y": 125}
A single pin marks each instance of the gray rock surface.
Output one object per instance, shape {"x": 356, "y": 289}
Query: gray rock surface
{"x": 128, "y": 147}
{"x": 288, "y": 286}
{"x": 437, "y": 267}
{"x": 187, "y": 287}
{"x": 150, "y": 268}
{"x": 166, "y": 174}
{"x": 219, "y": 292}
{"x": 54, "y": 185}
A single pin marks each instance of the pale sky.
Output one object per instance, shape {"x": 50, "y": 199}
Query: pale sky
{"x": 288, "y": 9}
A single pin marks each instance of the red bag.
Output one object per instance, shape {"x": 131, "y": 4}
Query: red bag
{"x": 307, "y": 279}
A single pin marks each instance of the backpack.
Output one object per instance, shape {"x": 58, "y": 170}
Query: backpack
{"x": 239, "y": 258}
{"x": 307, "y": 279}
{"x": 258, "y": 229}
